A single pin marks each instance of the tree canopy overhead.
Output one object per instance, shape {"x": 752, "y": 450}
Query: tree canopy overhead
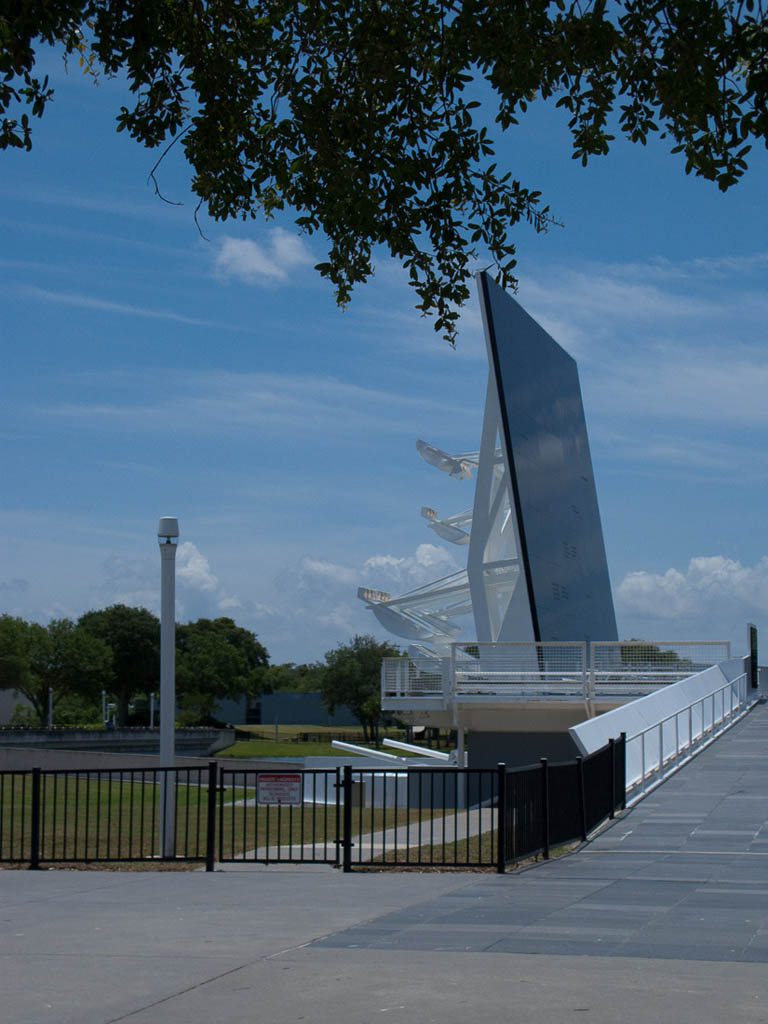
{"x": 360, "y": 116}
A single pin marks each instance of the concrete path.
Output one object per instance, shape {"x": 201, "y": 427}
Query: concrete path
{"x": 370, "y": 846}
{"x": 663, "y": 918}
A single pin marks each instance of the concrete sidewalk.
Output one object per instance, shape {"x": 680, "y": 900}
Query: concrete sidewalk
{"x": 664, "y": 917}
{"x": 370, "y": 846}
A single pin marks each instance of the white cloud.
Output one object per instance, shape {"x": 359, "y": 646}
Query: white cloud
{"x": 645, "y": 294}
{"x": 725, "y": 386}
{"x": 340, "y": 617}
{"x": 289, "y": 250}
{"x": 682, "y": 455}
{"x": 193, "y": 569}
{"x": 215, "y": 401}
{"x": 103, "y": 305}
{"x": 252, "y": 263}
{"x": 316, "y": 605}
{"x": 200, "y": 593}
{"x": 330, "y": 571}
{"x": 601, "y": 296}
{"x": 711, "y": 599}
{"x": 428, "y": 563}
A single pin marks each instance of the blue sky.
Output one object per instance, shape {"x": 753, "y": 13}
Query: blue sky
{"x": 149, "y": 372}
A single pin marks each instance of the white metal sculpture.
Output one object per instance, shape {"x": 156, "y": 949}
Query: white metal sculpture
{"x": 489, "y": 588}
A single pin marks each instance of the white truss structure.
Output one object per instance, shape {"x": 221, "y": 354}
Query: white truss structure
{"x": 491, "y": 588}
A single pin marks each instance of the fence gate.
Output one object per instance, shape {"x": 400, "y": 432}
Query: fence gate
{"x": 280, "y": 817}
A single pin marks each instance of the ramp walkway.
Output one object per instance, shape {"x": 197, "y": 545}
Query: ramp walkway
{"x": 684, "y": 874}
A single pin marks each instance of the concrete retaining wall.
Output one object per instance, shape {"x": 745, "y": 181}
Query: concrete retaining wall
{"x": 14, "y": 758}
{"x": 189, "y": 742}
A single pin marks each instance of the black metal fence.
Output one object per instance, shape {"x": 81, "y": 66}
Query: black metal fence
{"x": 430, "y": 817}
{"x": 549, "y": 805}
{"x": 104, "y": 814}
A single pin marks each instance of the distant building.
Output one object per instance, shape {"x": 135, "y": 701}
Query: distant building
{"x": 283, "y": 708}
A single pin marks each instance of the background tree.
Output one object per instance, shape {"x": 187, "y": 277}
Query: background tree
{"x": 14, "y": 652}
{"x": 216, "y": 659}
{"x": 353, "y": 677}
{"x": 72, "y": 711}
{"x": 638, "y": 652}
{"x": 306, "y": 678}
{"x": 369, "y": 120}
{"x": 133, "y": 634}
{"x": 60, "y": 657}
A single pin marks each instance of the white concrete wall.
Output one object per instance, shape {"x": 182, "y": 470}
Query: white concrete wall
{"x": 664, "y": 704}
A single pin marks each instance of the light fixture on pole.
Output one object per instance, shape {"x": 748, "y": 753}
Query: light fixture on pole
{"x": 167, "y": 536}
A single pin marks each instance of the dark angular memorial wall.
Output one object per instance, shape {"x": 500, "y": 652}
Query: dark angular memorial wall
{"x": 547, "y": 451}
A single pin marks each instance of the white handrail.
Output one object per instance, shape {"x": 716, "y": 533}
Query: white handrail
{"x": 701, "y": 724}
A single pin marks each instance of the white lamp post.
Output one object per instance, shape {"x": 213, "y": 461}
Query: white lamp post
{"x": 167, "y": 535}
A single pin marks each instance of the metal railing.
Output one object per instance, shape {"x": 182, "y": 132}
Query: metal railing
{"x": 549, "y": 805}
{"x": 643, "y": 666}
{"x": 515, "y": 666}
{"x": 103, "y": 814}
{"x": 656, "y": 752}
{"x": 351, "y": 818}
{"x": 414, "y": 677}
{"x": 477, "y": 671}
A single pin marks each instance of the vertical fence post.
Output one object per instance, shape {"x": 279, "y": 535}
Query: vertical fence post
{"x": 642, "y": 754}
{"x": 677, "y": 735}
{"x": 34, "y": 841}
{"x": 545, "y": 807}
{"x": 501, "y": 818}
{"x": 210, "y": 840}
{"x": 623, "y": 756}
{"x": 346, "y": 839}
{"x": 612, "y": 801}
{"x": 582, "y": 798}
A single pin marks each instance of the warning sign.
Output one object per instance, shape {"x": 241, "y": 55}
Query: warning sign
{"x": 278, "y": 788}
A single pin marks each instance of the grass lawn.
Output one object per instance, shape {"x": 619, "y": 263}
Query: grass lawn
{"x": 90, "y": 817}
{"x": 269, "y": 748}
{"x": 286, "y": 740}
{"x": 477, "y": 851}
{"x": 107, "y": 817}
{"x": 354, "y": 733}
{"x": 298, "y": 833}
